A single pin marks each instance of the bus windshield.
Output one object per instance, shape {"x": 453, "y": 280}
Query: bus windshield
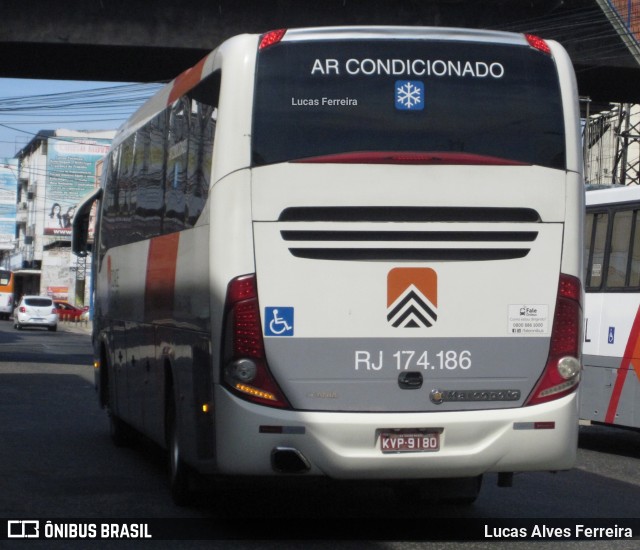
{"x": 345, "y": 101}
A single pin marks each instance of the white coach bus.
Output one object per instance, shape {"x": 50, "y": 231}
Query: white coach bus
{"x": 610, "y": 391}
{"x": 348, "y": 252}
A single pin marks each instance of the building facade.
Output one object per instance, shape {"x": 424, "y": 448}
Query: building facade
{"x": 8, "y": 207}
{"x": 55, "y": 170}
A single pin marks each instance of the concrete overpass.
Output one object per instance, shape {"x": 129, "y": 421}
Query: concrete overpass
{"x": 154, "y": 40}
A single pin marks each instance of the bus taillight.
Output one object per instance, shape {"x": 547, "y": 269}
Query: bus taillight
{"x": 538, "y": 43}
{"x": 244, "y": 364}
{"x": 562, "y": 372}
{"x": 270, "y": 38}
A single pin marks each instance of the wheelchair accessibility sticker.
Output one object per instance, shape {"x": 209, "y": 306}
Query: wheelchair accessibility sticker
{"x": 278, "y": 321}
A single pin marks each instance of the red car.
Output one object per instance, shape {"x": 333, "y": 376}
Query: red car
{"x": 67, "y": 312}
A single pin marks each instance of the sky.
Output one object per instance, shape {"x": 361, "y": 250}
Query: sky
{"x": 28, "y": 106}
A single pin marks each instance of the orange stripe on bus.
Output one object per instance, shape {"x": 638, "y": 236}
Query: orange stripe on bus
{"x": 187, "y": 80}
{"x": 161, "y": 276}
{"x": 631, "y": 353}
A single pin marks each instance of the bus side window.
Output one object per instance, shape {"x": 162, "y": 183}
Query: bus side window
{"x": 598, "y": 240}
{"x": 176, "y": 178}
{"x": 588, "y": 232}
{"x": 634, "y": 275}
{"x": 200, "y": 152}
{"x": 109, "y": 209}
{"x": 137, "y": 172}
{"x": 619, "y": 249}
{"x": 195, "y": 152}
{"x": 125, "y": 185}
{"x": 204, "y": 101}
{"x": 209, "y": 132}
{"x": 151, "y": 186}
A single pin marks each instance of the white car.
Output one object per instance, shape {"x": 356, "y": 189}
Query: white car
{"x": 35, "y": 311}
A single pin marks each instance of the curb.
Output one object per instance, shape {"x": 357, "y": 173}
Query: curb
{"x": 80, "y": 327}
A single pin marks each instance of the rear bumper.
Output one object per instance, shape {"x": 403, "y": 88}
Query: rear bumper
{"x": 346, "y": 445}
{"x": 28, "y": 321}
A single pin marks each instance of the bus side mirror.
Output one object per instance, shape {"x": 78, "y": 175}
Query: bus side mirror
{"x": 80, "y": 235}
{"x": 80, "y": 225}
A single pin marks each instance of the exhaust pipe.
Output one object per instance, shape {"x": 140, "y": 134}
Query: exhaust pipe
{"x": 287, "y": 460}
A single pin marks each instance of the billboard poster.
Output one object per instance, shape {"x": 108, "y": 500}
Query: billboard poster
{"x": 71, "y": 174}
{"x": 8, "y": 197}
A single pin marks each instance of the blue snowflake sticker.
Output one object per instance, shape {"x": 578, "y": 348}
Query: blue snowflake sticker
{"x": 409, "y": 95}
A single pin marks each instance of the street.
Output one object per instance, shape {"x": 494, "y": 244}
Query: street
{"x": 58, "y": 461}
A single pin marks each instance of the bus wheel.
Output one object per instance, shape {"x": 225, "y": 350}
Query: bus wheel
{"x": 179, "y": 474}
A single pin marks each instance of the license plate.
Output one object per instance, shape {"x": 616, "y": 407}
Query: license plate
{"x": 409, "y": 442}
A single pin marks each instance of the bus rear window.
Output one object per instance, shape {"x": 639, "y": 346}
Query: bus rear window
{"x": 318, "y": 99}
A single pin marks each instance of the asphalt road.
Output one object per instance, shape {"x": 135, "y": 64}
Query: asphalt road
{"x": 57, "y": 461}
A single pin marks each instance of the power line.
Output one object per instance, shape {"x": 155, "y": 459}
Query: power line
{"x": 105, "y": 105}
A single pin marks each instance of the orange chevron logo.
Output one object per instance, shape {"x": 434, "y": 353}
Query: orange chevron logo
{"x": 412, "y": 297}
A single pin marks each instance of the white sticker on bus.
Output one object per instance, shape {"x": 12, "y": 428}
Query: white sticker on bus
{"x": 528, "y": 319}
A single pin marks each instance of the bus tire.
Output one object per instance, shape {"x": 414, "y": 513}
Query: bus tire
{"x": 179, "y": 473}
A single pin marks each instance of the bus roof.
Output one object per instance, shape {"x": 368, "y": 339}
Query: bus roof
{"x": 403, "y": 33}
{"x": 613, "y": 195}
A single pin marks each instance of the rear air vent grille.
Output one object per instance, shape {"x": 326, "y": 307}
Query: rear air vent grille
{"x": 407, "y": 214}
{"x": 410, "y": 254}
{"x": 409, "y": 234}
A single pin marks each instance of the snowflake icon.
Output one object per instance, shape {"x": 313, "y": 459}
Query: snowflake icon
{"x": 409, "y": 95}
